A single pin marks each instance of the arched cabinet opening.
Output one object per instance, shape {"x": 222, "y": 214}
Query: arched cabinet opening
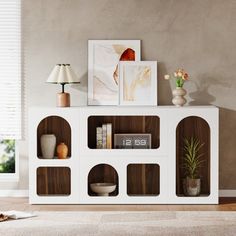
{"x": 103, "y": 180}
{"x": 193, "y": 157}
{"x": 54, "y": 138}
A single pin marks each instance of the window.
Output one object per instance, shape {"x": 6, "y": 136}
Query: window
{"x": 10, "y": 84}
{"x": 7, "y": 156}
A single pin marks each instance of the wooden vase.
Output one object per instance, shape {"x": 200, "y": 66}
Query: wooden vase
{"x": 62, "y": 151}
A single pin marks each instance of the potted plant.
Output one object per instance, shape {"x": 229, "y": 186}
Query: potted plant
{"x": 192, "y": 163}
{"x": 180, "y": 77}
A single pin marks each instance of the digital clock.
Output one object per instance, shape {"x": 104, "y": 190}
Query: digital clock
{"x": 132, "y": 141}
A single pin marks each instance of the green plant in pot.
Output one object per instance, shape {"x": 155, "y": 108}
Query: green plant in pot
{"x": 191, "y": 164}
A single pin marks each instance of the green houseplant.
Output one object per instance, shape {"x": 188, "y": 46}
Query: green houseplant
{"x": 191, "y": 164}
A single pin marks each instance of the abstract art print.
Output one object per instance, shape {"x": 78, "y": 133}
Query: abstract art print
{"x": 138, "y": 83}
{"x": 103, "y": 72}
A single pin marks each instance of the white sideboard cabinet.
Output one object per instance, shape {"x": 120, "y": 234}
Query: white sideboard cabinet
{"x": 142, "y": 176}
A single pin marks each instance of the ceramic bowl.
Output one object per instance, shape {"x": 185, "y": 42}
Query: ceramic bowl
{"x": 103, "y": 189}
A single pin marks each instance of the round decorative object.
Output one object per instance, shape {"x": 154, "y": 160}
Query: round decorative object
{"x": 48, "y": 145}
{"x": 103, "y": 189}
{"x": 62, "y": 151}
{"x": 178, "y": 96}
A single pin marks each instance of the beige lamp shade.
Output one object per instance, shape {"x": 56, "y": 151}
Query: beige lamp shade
{"x": 63, "y": 74}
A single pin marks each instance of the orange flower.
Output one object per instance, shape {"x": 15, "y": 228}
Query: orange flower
{"x": 185, "y": 76}
{"x": 180, "y": 77}
{"x": 179, "y": 73}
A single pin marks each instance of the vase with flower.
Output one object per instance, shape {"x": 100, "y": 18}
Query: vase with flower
{"x": 179, "y": 92}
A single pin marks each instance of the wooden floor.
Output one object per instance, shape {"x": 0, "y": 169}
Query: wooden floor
{"x": 21, "y": 204}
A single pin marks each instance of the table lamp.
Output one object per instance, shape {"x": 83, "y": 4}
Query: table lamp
{"x": 63, "y": 74}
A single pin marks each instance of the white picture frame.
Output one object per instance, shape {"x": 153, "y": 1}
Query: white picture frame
{"x": 138, "y": 83}
{"x": 103, "y": 61}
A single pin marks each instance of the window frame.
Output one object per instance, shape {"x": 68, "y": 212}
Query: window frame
{"x": 14, "y": 177}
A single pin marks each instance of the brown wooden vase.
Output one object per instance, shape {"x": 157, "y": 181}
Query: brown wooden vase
{"x": 62, "y": 151}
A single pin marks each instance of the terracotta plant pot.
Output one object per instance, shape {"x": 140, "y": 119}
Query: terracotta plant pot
{"x": 192, "y": 187}
{"x": 62, "y": 151}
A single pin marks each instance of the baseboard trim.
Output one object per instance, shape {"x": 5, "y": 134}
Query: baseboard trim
{"x": 14, "y": 193}
{"x": 25, "y": 193}
{"x": 227, "y": 193}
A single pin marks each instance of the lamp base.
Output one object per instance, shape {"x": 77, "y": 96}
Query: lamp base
{"x": 63, "y": 99}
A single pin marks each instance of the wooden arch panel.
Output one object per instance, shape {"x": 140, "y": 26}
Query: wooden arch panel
{"x": 193, "y": 126}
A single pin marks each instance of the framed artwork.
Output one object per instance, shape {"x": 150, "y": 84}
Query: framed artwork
{"x": 103, "y": 72}
{"x": 138, "y": 83}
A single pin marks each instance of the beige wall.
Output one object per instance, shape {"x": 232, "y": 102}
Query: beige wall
{"x": 198, "y": 35}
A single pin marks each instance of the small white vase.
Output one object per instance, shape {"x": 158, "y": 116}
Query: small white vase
{"x": 48, "y": 145}
{"x": 178, "y": 96}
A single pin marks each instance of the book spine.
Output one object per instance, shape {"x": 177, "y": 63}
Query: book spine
{"x": 99, "y": 137}
{"x": 104, "y": 136}
{"x": 109, "y": 136}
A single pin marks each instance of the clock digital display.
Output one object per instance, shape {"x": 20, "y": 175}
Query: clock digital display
{"x": 132, "y": 141}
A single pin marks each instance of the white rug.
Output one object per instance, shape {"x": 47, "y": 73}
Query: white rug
{"x": 123, "y": 223}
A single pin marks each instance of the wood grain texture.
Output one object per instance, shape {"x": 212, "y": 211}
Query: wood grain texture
{"x": 193, "y": 127}
{"x": 59, "y": 127}
{"x": 103, "y": 173}
{"x": 53, "y": 181}
{"x": 125, "y": 124}
{"x": 143, "y": 179}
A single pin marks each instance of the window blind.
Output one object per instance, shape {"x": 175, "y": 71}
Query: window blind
{"x": 10, "y": 69}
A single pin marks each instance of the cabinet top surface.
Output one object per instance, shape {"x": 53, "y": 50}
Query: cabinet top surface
{"x": 128, "y": 107}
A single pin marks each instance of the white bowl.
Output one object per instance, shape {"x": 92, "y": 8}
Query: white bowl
{"x": 103, "y": 189}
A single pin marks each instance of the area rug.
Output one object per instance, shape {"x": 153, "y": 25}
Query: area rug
{"x": 123, "y": 223}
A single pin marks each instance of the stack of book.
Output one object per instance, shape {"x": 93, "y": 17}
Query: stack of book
{"x": 104, "y": 136}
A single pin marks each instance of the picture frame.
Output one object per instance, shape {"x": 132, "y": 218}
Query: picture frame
{"x": 138, "y": 83}
{"x": 103, "y": 70}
